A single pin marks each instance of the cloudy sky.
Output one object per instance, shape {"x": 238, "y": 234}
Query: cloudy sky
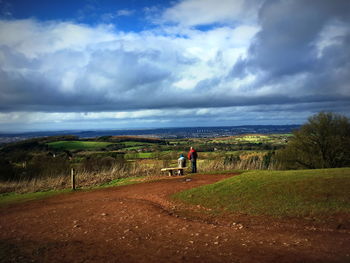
{"x": 98, "y": 64}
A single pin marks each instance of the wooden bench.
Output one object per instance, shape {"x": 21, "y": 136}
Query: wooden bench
{"x": 170, "y": 170}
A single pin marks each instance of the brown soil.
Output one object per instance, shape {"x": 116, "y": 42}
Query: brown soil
{"x": 140, "y": 223}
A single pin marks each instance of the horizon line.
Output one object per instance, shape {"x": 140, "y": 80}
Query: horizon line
{"x": 136, "y": 129}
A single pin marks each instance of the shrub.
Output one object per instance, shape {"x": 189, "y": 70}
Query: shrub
{"x": 323, "y": 142}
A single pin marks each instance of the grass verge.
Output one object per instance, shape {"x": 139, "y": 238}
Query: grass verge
{"x": 121, "y": 182}
{"x": 296, "y": 193}
{"x": 10, "y": 198}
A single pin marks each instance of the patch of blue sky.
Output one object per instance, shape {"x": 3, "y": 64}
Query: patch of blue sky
{"x": 131, "y": 15}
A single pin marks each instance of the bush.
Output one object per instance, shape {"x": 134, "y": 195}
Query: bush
{"x": 7, "y": 171}
{"x": 46, "y": 166}
{"x": 323, "y": 142}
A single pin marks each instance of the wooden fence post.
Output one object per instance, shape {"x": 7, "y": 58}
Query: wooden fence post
{"x": 72, "y": 178}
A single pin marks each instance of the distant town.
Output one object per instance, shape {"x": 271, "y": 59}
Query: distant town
{"x": 163, "y": 133}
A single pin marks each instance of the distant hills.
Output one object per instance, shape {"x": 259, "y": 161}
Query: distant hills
{"x": 185, "y": 132}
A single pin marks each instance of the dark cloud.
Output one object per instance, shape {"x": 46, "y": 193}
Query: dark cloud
{"x": 111, "y": 78}
{"x": 287, "y": 43}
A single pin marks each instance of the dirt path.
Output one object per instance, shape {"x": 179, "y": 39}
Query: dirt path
{"x": 138, "y": 223}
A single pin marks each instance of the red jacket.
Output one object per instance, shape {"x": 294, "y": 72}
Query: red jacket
{"x": 192, "y": 154}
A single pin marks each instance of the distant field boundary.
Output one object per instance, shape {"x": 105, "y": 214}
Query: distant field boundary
{"x": 78, "y": 145}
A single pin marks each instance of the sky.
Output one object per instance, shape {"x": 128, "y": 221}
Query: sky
{"x": 113, "y": 64}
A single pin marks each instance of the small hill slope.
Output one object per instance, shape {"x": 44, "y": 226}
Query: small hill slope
{"x": 298, "y": 193}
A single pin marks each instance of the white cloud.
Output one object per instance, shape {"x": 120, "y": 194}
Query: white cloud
{"x": 33, "y": 39}
{"x": 111, "y": 16}
{"x": 206, "y": 12}
{"x": 331, "y": 35}
{"x": 125, "y": 12}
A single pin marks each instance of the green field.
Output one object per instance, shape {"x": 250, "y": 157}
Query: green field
{"x": 78, "y": 145}
{"x": 253, "y": 138}
{"x": 135, "y": 143}
{"x": 132, "y": 148}
{"x": 138, "y": 155}
{"x": 295, "y": 193}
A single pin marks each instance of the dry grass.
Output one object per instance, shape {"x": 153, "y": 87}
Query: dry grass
{"x": 87, "y": 176}
{"x": 245, "y": 164}
{"x": 84, "y": 178}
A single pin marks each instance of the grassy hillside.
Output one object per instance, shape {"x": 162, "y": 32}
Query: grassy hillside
{"x": 78, "y": 145}
{"x": 277, "y": 193}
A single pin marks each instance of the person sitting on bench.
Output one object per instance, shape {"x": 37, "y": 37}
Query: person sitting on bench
{"x": 181, "y": 163}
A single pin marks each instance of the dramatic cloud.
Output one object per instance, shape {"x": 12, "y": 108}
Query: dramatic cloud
{"x": 229, "y": 62}
{"x": 302, "y": 48}
{"x": 79, "y": 68}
